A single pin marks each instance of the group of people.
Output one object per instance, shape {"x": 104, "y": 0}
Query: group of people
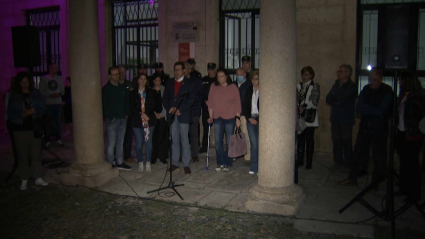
{"x": 146, "y": 106}
{"x": 375, "y": 106}
{"x": 25, "y": 106}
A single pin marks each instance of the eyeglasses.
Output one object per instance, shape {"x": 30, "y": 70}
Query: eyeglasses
{"x": 339, "y": 72}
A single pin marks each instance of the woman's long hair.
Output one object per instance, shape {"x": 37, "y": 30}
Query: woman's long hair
{"x": 136, "y": 83}
{"x": 16, "y": 85}
{"x": 228, "y": 79}
{"x": 410, "y": 83}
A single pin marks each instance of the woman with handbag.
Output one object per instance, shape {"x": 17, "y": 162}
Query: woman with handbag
{"x": 224, "y": 108}
{"x": 25, "y": 105}
{"x": 160, "y": 135}
{"x": 142, "y": 119}
{"x": 409, "y": 137}
{"x": 251, "y": 109}
{"x": 308, "y": 99}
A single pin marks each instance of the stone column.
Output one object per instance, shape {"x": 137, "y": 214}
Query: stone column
{"x": 275, "y": 191}
{"x": 90, "y": 167}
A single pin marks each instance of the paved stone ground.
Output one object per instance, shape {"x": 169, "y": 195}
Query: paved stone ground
{"x": 57, "y": 211}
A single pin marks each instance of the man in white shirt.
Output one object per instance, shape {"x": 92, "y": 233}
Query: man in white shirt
{"x": 51, "y": 87}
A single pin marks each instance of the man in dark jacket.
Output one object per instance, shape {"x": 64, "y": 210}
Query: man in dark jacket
{"x": 159, "y": 71}
{"x": 196, "y": 112}
{"x": 243, "y": 84}
{"x": 179, "y": 92}
{"x": 342, "y": 98}
{"x": 193, "y": 71}
{"x": 374, "y": 105}
{"x": 116, "y": 111}
{"x": 246, "y": 65}
{"x": 207, "y": 81}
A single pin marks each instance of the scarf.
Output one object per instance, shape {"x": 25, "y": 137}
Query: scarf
{"x": 144, "y": 122}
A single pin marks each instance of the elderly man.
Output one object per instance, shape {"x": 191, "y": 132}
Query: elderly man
{"x": 342, "y": 99}
{"x": 243, "y": 84}
{"x": 374, "y": 106}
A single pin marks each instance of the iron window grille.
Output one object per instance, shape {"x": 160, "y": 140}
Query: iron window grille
{"x": 48, "y": 23}
{"x": 239, "y": 33}
{"x": 135, "y": 40}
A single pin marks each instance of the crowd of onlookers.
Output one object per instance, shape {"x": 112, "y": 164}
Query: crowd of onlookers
{"x": 150, "y": 109}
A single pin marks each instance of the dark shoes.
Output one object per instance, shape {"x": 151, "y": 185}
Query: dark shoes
{"x": 123, "y": 166}
{"x": 195, "y": 159}
{"x": 347, "y": 182}
{"x": 164, "y": 161}
{"x": 202, "y": 150}
{"x": 187, "y": 170}
{"x": 175, "y": 168}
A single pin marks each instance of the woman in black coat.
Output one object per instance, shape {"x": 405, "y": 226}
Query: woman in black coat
{"x": 142, "y": 119}
{"x": 251, "y": 113}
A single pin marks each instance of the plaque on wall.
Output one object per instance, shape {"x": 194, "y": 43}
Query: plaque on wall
{"x": 185, "y": 32}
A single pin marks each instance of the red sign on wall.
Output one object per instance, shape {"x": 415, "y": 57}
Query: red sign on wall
{"x": 184, "y": 51}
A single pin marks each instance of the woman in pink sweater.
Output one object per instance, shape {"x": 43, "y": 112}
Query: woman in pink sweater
{"x": 224, "y": 107}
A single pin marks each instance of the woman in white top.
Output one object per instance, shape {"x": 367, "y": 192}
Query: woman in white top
{"x": 251, "y": 110}
{"x": 308, "y": 99}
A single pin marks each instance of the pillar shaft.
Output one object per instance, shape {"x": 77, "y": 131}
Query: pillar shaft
{"x": 90, "y": 167}
{"x": 276, "y": 191}
{"x": 86, "y": 82}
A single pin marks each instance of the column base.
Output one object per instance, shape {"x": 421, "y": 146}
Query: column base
{"x": 90, "y": 175}
{"x": 282, "y": 201}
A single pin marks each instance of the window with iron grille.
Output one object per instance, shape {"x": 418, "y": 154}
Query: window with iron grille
{"x": 48, "y": 24}
{"x": 135, "y": 26}
{"x": 239, "y": 33}
{"x": 369, "y": 35}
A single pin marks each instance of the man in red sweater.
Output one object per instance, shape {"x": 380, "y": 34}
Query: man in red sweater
{"x": 179, "y": 96}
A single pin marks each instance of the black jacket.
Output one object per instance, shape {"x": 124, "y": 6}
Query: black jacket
{"x": 150, "y": 108}
{"x": 247, "y": 103}
{"x": 414, "y": 111}
{"x": 342, "y": 100}
{"x": 242, "y": 91}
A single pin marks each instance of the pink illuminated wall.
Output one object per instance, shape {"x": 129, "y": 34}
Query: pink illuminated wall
{"x": 13, "y": 14}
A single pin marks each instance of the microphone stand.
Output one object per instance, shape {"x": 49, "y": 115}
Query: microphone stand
{"x": 171, "y": 184}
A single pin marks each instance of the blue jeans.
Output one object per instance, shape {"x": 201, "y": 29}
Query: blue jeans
{"x": 253, "y": 139}
{"x": 180, "y": 133}
{"x": 222, "y": 126}
{"x": 115, "y": 130}
{"x": 56, "y": 111}
{"x": 139, "y": 135}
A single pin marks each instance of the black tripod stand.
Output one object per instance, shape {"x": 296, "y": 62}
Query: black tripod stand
{"x": 171, "y": 184}
{"x": 388, "y": 213}
{"x": 57, "y": 162}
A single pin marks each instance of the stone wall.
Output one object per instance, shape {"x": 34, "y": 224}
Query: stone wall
{"x": 326, "y": 38}
{"x": 206, "y": 13}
